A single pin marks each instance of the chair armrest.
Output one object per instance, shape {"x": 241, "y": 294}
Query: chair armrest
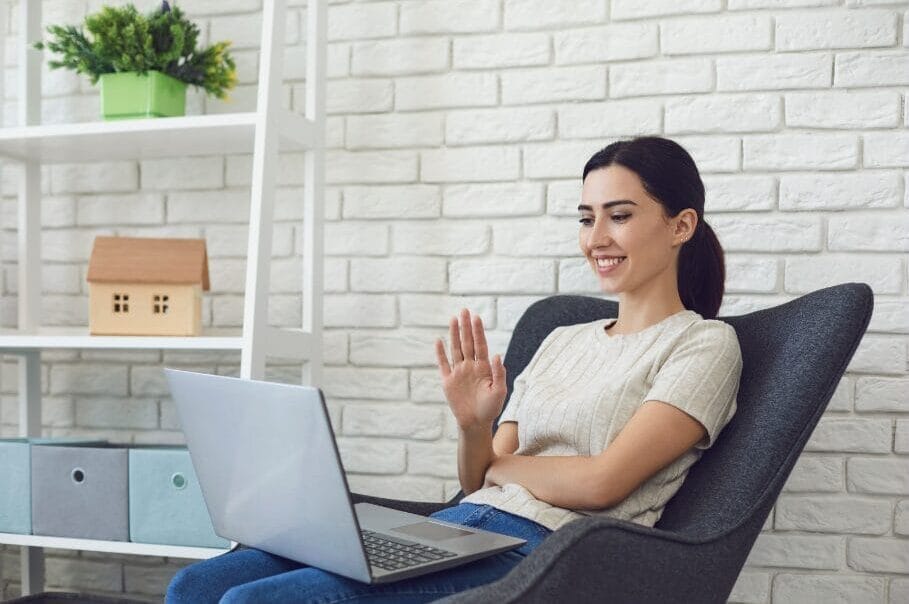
{"x": 598, "y": 559}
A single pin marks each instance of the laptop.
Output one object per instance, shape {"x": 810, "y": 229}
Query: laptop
{"x": 271, "y": 477}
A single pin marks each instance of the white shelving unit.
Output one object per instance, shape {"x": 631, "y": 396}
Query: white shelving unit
{"x": 263, "y": 132}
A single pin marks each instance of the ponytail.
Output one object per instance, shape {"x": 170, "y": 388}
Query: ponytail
{"x": 702, "y": 272}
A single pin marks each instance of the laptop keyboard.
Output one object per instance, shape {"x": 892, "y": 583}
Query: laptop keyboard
{"x": 395, "y": 554}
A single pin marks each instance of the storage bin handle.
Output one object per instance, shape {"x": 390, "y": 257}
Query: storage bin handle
{"x": 178, "y": 480}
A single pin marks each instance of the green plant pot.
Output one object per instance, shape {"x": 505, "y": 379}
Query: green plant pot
{"x": 128, "y": 95}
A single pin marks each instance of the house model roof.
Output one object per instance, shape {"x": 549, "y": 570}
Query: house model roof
{"x": 148, "y": 260}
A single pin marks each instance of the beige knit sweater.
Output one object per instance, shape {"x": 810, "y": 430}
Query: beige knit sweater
{"x": 583, "y": 385}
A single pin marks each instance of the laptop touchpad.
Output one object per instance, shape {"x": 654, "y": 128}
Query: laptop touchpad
{"x": 431, "y": 530}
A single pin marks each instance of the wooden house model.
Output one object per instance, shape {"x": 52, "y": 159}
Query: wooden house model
{"x": 145, "y": 286}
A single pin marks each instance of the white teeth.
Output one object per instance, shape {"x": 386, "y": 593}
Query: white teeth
{"x": 604, "y": 262}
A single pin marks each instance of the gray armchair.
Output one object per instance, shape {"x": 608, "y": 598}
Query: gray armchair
{"x": 794, "y": 355}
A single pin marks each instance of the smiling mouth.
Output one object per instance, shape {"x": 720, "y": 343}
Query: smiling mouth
{"x": 609, "y": 262}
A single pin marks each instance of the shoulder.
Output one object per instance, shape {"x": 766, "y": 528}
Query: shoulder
{"x": 710, "y": 330}
{"x": 707, "y": 338}
{"x": 560, "y": 339}
{"x": 563, "y": 334}
{"x": 711, "y": 338}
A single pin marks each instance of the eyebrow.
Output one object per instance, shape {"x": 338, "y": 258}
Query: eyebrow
{"x": 608, "y": 204}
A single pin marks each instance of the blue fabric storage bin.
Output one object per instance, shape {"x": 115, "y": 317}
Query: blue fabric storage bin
{"x": 80, "y": 491}
{"x": 16, "y": 492}
{"x": 165, "y": 500}
{"x": 15, "y": 481}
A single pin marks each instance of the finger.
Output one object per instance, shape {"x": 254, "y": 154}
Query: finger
{"x": 455, "y": 339}
{"x": 498, "y": 372}
{"x": 479, "y": 339}
{"x": 466, "y": 336}
{"x": 444, "y": 367}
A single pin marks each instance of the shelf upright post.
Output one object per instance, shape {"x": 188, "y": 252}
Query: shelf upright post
{"x": 4, "y": 30}
{"x": 29, "y": 266}
{"x": 314, "y": 189}
{"x": 4, "y": 9}
{"x": 262, "y": 192}
{"x": 29, "y": 218}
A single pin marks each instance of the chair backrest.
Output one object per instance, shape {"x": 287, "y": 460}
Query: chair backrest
{"x": 793, "y": 356}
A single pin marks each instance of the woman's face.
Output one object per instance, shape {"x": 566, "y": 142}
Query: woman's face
{"x": 631, "y": 226}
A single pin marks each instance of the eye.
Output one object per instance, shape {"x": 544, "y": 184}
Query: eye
{"x": 620, "y": 217}
{"x": 585, "y": 221}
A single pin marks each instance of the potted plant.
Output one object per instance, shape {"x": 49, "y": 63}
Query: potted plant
{"x": 143, "y": 62}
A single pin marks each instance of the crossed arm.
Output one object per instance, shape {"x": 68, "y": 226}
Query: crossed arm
{"x": 656, "y": 435}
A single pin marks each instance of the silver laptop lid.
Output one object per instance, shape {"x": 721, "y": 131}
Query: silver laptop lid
{"x": 260, "y": 452}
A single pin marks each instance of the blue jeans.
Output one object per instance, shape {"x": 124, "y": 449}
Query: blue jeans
{"x": 252, "y": 575}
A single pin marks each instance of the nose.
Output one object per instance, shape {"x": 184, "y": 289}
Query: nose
{"x": 598, "y": 236}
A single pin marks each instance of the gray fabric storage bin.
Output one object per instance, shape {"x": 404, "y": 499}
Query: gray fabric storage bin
{"x": 80, "y": 492}
{"x": 15, "y": 480}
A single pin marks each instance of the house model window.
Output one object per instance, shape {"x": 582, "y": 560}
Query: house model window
{"x": 160, "y": 305}
{"x": 121, "y": 303}
{"x": 147, "y": 286}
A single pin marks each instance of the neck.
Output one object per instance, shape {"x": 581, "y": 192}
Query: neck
{"x": 649, "y": 304}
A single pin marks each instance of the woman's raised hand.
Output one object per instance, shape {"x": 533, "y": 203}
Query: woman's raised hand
{"x": 474, "y": 388}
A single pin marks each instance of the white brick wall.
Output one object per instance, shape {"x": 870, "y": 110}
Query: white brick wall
{"x": 457, "y": 131}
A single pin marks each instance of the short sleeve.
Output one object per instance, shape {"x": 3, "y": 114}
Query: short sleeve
{"x": 701, "y": 376}
{"x": 519, "y": 387}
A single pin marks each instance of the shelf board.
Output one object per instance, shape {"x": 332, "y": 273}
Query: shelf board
{"x": 113, "y": 547}
{"x": 78, "y": 337}
{"x": 215, "y": 134}
{"x": 279, "y": 341}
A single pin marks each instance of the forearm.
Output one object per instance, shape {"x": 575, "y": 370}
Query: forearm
{"x": 475, "y": 454}
{"x": 563, "y": 481}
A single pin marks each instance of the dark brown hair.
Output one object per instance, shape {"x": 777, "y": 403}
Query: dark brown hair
{"x": 670, "y": 177}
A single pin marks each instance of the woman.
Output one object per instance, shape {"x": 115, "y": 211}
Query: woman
{"x": 605, "y": 419}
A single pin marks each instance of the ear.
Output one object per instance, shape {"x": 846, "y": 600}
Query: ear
{"x": 685, "y": 224}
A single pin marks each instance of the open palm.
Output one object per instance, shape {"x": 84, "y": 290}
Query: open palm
{"x": 474, "y": 387}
